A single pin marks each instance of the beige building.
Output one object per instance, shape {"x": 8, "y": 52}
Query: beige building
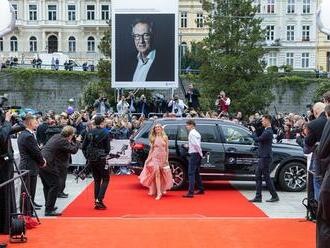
{"x": 323, "y": 50}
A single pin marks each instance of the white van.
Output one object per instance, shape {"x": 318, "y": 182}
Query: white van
{"x": 49, "y": 60}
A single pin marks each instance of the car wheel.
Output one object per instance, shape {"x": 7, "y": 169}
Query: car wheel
{"x": 179, "y": 174}
{"x": 293, "y": 177}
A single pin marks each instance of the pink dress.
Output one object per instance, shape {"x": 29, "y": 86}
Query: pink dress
{"x": 157, "y": 161}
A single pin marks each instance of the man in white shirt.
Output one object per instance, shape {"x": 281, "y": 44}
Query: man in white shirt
{"x": 194, "y": 160}
{"x": 177, "y": 106}
{"x": 122, "y": 106}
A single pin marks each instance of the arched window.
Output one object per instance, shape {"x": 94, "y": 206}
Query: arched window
{"x": 72, "y": 44}
{"x": 184, "y": 49}
{"x": 33, "y": 44}
{"x": 13, "y": 44}
{"x": 91, "y": 44}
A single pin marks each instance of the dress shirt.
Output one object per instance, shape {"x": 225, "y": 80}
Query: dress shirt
{"x": 194, "y": 140}
{"x": 142, "y": 68}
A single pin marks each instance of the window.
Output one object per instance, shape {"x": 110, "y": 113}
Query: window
{"x": 200, "y": 20}
{"x": 33, "y": 44}
{"x": 270, "y": 32}
{"x": 305, "y": 60}
{"x": 208, "y": 132}
{"x": 290, "y": 33}
{"x": 257, "y": 4}
{"x": 305, "y": 33}
{"x": 270, "y": 6}
{"x": 1, "y": 44}
{"x": 184, "y": 49}
{"x": 72, "y": 44}
{"x": 328, "y": 37}
{"x": 306, "y": 6}
{"x": 184, "y": 20}
{"x": 170, "y": 131}
{"x": 182, "y": 134}
{"x": 13, "y": 44}
{"x": 71, "y": 12}
{"x": 291, "y": 5}
{"x": 33, "y": 15}
{"x": 15, "y": 10}
{"x": 90, "y": 12}
{"x": 236, "y": 135}
{"x": 105, "y": 12}
{"x": 52, "y": 12}
{"x": 289, "y": 59}
{"x": 272, "y": 59}
{"x": 91, "y": 44}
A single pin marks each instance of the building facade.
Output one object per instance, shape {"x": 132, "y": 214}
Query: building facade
{"x": 291, "y": 32}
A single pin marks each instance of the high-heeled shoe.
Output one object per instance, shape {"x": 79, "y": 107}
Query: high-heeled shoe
{"x": 159, "y": 196}
{"x": 151, "y": 194}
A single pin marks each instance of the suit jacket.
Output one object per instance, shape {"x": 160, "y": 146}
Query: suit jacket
{"x": 57, "y": 153}
{"x": 161, "y": 69}
{"x": 30, "y": 154}
{"x": 194, "y": 99}
{"x": 265, "y": 141}
{"x": 323, "y": 150}
{"x": 315, "y": 130}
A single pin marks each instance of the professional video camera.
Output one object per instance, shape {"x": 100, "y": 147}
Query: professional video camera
{"x": 257, "y": 124}
{"x": 84, "y": 173}
{"x": 3, "y": 109}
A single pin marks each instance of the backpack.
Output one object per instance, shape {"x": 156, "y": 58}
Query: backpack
{"x": 93, "y": 152}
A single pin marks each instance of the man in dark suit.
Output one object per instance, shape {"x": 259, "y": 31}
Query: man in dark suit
{"x": 314, "y": 134}
{"x": 149, "y": 64}
{"x": 323, "y": 213}
{"x": 265, "y": 155}
{"x": 57, "y": 153}
{"x": 30, "y": 159}
{"x": 192, "y": 97}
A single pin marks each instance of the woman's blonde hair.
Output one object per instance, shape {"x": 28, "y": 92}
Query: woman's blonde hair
{"x": 152, "y": 134}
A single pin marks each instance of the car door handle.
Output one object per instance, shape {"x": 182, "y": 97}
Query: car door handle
{"x": 231, "y": 149}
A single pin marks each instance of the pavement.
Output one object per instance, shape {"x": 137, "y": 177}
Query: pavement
{"x": 289, "y": 206}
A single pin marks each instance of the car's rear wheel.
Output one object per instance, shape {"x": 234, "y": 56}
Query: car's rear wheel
{"x": 293, "y": 177}
{"x": 179, "y": 174}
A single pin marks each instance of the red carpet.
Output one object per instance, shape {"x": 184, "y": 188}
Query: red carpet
{"x": 127, "y": 198}
{"x": 142, "y": 233}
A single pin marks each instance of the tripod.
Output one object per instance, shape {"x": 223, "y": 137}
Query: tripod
{"x": 28, "y": 196}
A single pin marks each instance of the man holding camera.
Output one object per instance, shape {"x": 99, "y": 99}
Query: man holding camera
{"x": 192, "y": 97}
{"x": 102, "y": 105}
{"x": 96, "y": 147}
{"x": 265, "y": 155}
{"x": 7, "y": 193}
{"x": 57, "y": 153}
{"x": 177, "y": 105}
{"x": 223, "y": 103}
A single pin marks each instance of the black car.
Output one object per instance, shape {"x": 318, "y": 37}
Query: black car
{"x": 229, "y": 153}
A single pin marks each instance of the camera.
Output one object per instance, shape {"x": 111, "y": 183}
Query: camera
{"x": 15, "y": 117}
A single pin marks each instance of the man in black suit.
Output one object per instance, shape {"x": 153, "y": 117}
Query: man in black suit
{"x": 149, "y": 64}
{"x": 323, "y": 213}
{"x": 314, "y": 134}
{"x": 265, "y": 155}
{"x": 192, "y": 97}
{"x": 30, "y": 159}
{"x": 57, "y": 153}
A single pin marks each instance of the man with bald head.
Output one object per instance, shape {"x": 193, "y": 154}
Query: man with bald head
{"x": 315, "y": 129}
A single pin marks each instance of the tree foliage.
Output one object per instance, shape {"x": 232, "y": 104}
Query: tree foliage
{"x": 231, "y": 55}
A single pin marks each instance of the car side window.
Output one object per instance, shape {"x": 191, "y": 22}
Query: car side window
{"x": 235, "y": 135}
{"x": 208, "y": 132}
{"x": 170, "y": 131}
{"x": 182, "y": 133}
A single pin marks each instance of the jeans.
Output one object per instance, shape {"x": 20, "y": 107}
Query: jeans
{"x": 317, "y": 178}
{"x": 194, "y": 161}
{"x": 263, "y": 170}
{"x": 101, "y": 179}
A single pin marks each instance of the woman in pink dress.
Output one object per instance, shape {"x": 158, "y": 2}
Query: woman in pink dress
{"x": 156, "y": 174}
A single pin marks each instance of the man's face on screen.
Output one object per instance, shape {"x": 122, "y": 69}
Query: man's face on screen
{"x": 142, "y": 38}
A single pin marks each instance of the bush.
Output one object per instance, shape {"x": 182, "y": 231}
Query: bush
{"x": 272, "y": 69}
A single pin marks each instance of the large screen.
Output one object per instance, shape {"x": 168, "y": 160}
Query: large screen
{"x": 144, "y": 44}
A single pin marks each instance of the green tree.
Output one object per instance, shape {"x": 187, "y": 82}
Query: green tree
{"x": 231, "y": 56}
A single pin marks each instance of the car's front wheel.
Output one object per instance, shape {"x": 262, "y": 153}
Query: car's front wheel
{"x": 293, "y": 177}
{"x": 179, "y": 174}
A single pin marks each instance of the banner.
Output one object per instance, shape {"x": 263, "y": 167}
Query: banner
{"x": 145, "y": 44}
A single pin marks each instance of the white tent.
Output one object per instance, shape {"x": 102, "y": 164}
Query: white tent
{"x": 7, "y": 18}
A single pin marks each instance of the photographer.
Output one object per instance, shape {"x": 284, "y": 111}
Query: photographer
{"x": 143, "y": 106}
{"x": 96, "y": 147}
{"x": 7, "y": 193}
{"x": 192, "y": 97}
{"x": 177, "y": 105}
{"x": 102, "y": 105}
{"x": 122, "y": 106}
{"x": 57, "y": 153}
{"x": 223, "y": 103}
